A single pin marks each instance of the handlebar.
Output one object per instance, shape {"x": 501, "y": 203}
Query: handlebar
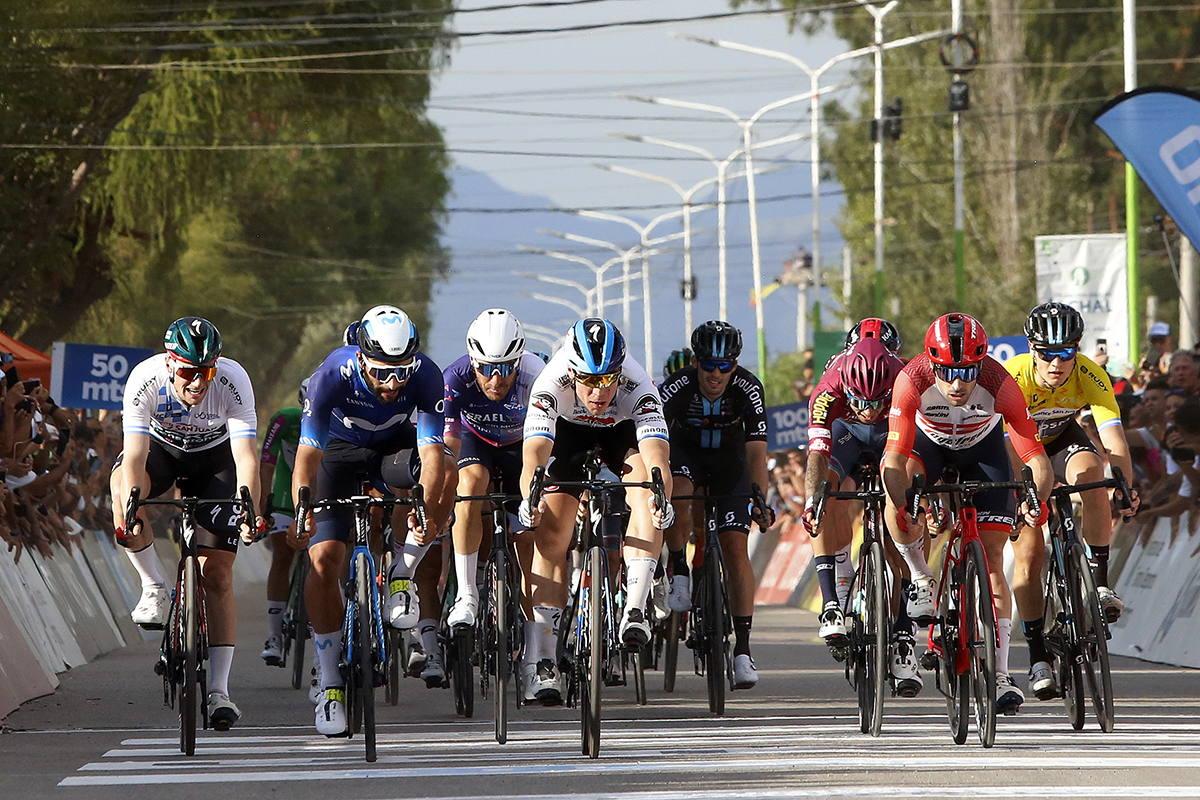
{"x": 305, "y": 505}
{"x": 244, "y": 501}
{"x": 535, "y": 488}
{"x": 1117, "y": 482}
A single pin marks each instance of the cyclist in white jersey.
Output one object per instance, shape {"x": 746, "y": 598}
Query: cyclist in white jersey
{"x": 590, "y": 395}
{"x": 189, "y": 422}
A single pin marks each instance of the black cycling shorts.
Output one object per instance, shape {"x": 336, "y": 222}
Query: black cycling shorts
{"x": 1062, "y": 448}
{"x": 345, "y": 467}
{"x": 723, "y": 473}
{"x": 987, "y": 460}
{"x": 573, "y": 442}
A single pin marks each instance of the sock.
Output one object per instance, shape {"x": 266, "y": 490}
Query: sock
{"x": 1005, "y": 627}
{"x": 275, "y": 618}
{"x": 845, "y": 573}
{"x": 533, "y": 643}
{"x": 328, "y": 649}
{"x": 220, "y": 659}
{"x": 407, "y": 557}
{"x": 638, "y": 572}
{"x": 827, "y": 578}
{"x": 659, "y": 569}
{"x": 465, "y": 566}
{"x": 145, "y": 561}
{"x": 741, "y": 633}
{"x": 914, "y": 557}
{"x": 679, "y": 563}
{"x": 429, "y": 640}
{"x": 904, "y": 622}
{"x": 1100, "y": 556}
{"x": 545, "y": 620}
{"x": 1035, "y": 636}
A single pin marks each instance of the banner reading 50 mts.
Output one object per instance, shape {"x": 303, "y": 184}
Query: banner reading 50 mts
{"x": 92, "y": 375}
{"x": 1158, "y": 129}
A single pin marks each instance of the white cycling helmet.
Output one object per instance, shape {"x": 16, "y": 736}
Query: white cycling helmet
{"x": 495, "y": 337}
{"x": 387, "y": 334}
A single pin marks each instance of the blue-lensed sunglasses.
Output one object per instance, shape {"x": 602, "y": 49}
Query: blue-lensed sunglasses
{"x": 503, "y": 370}
{"x": 714, "y": 364}
{"x": 1048, "y": 354}
{"x": 400, "y": 373}
{"x": 952, "y": 374}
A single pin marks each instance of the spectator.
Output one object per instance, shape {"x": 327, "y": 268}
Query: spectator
{"x": 1183, "y": 373}
{"x": 1161, "y": 343}
{"x": 803, "y": 386}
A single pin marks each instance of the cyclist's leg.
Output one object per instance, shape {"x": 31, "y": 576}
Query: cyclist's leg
{"x": 159, "y": 476}
{"x": 676, "y": 537}
{"x": 278, "y": 585}
{"x": 913, "y": 546}
{"x": 1083, "y": 465}
{"x": 643, "y": 541}
{"x": 473, "y": 477}
{"x": 1029, "y": 553}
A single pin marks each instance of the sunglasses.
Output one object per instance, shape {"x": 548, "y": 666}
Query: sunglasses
{"x": 861, "y": 404}
{"x": 189, "y": 374}
{"x": 598, "y": 381}
{"x": 503, "y": 370}
{"x": 1048, "y": 354}
{"x": 714, "y": 364}
{"x": 952, "y": 374}
{"x": 400, "y": 373}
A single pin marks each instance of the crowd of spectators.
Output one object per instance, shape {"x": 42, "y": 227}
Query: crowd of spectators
{"x": 54, "y": 468}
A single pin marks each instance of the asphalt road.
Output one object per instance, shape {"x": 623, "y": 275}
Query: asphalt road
{"x": 105, "y": 734}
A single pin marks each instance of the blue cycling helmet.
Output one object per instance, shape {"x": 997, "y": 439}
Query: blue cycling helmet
{"x": 595, "y": 347}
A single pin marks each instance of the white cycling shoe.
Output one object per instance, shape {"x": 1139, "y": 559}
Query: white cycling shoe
{"x": 922, "y": 603}
{"x": 1042, "y": 682}
{"x": 906, "y": 678}
{"x": 1110, "y": 604}
{"x": 1009, "y": 696}
{"x": 833, "y": 624}
{"x": 464, "y": 611}
{"x": 331, "y": 712}
{"x": 434, "y": 673}
{"x": 273, "y": 652}
{"x": 222, "y": 712}
{"x": 544, "y": 686}
{"x": 635, "y": 631}
{"x": 680, "y": 596}
{"x": 404, "y": 610}
{"x": 660, "y": 598}
{"x": 745, "y": 676}
{"x": 151, "y": 611}
{"x": 315, "y": 690}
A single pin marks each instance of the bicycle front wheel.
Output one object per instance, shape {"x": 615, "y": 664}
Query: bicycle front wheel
{"x": 594, "y": 679}
{"x": 873, "y": 645}
{"x": 1093, "y": 643}
{"x": 462, "y": 675}
{"x": 366, "y": 651}
{"x": 189, "y": 597}
{"x": 715, "y": 636}
{"x": 956, "y": 685}
{"x": 496, "y": 644}
{"x": 671, "y": 650}
{"x": 979, "y": 625}
{"x": 298, "y": 625}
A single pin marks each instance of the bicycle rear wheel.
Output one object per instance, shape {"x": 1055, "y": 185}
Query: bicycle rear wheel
{"x": 1093, "y": 643}
{"x": 298, "y": 625}
{"x": 715, "y": 636}
{"x": 592, "y": 682}
{"x": 496, "y": 644}
{"x": 671, "y": 650}
{"x": 189, "y": 700}
{"x": 955, "y": 686}
{"x": 872, "y": 625}
{"x": 365, "y": 651}
{"x": 979, "y": 625}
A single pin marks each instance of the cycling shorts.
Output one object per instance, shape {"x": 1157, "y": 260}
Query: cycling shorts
{"x": 853, "y": 441}
{"x": 1065, "y": 446}
{"x": 572, "y": 443}
{"x": 345, "y": 467}
{"x": 724, "y": 473}
{"x": 502, "y": 463}
{"x": 987, "y": 460}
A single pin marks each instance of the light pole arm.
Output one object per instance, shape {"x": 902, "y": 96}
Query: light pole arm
{"x": 663, "y": 101}
{"x": 560, "y": 255}
{"x": 547, "y": 298}
{"x": 573, "y": 237}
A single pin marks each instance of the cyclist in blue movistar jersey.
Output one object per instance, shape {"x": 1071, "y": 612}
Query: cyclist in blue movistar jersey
{"x": 358, "y": 423}
{"x": 487, "y": 392}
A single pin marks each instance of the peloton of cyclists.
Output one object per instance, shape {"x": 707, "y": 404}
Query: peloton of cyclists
{"x": 190, "y": 424}
{"x": 716, "y": 415}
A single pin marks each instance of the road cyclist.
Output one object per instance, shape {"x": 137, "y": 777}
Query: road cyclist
{"x": 190, "y": 424}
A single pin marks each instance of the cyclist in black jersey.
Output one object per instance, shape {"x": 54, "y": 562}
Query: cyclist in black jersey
{"x": 716, "y": 416}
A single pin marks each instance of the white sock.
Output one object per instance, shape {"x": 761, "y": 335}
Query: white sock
{"x": 145, "y": 561}
{"x": 220, "y": 659}
{"x": 545, "y": 620}
{"x": 328, "y": 649}
{"x": 638, "y": 572}
{"x": 275, "y": 618}
{"x": 465, "y": 566}
{"x": 532, "y": 643}
{"x": 408, "y": 556}
{"x": 845, "y": 573}
{"x": 429, "y": 640}
{"x": 914, "y": 556}
{"x": 1004, "y": 624}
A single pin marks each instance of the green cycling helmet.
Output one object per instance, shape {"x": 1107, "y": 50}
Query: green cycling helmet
{"x": 194, "y": 340}
{"x": 677, "y": 361}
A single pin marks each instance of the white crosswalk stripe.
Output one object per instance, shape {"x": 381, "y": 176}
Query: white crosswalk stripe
{"x": 786, "y": 756}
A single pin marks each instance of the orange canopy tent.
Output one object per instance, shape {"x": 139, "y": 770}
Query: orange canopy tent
{"x": 30, "y": 363}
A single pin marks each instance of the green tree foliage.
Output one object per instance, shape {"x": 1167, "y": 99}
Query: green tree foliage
{"x": 1034, "y": 162}
{"x": 273, "y": 171}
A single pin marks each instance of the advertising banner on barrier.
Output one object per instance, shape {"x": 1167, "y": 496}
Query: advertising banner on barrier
{"x": 1002, "y": 348}
{"x": 787, "y": 426}
{"x": 92, "y": 375}
{"x": 1088, "y": 272}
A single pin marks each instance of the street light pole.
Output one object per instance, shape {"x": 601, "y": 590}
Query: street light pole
{"x": 599, "y": 270}
{"x": 624, "y": 253}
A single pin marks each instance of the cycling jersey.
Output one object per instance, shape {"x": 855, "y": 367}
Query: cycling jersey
{"x": 739, "y": 415}
{"x": 151, "y": 406}
{"x": 554, "y": 398}
{"x": 1053, "y": 409}
{"x": 918, "y": 403}
{"x": 341, "y": 406}
{"x": 497, "y": 422}
{"x": 283, "y": 435}
{"x": 828, "y": 404}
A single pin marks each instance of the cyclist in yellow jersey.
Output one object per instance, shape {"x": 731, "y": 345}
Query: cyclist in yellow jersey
{"x": 1058, "y": 381}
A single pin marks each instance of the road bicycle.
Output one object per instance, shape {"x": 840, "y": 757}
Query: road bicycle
{"x": 458, "y": 648}
{"x": 962, "y": 638}
{"x": 183, "y": 655}
{"x": 1076, "y": 630}
{"x": 589, "y": 641}
{"x": 868, "y": 607}
{"x": 364, "y": 649}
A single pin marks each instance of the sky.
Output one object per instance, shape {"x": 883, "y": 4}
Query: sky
{"x": 534, "y": 113}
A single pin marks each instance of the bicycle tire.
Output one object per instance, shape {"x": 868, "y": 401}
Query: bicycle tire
{"x": 1093, "y": 644}
{"x": 462, "y": 675}
{"x": 299, "y": 631}
{"x": 394, "y": 655}
{"x": 874, "y": 643}
{"x": 955, "y": 686}
{"x": 979, "y": 618}
{"x": 714, "y": 637}
{"x": 594, "y": 679}
{"x": 364, "y": 662}
{"x": 671, "y": 650}
{"x": 639, "y": 675}
{"x": 188, "y": 700}
{"x": 498, "y": 643}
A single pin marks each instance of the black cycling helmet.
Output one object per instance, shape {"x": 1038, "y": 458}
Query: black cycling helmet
{"x": 194, "y": 340}
{"x": 1054, "y": 325}
{"x": 874, "y": 328}
{"x": 677, "y": 361}
{"x": 717, "y": 339}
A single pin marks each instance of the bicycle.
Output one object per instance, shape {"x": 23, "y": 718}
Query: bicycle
{"x": 962, "y": 639}
{"x": 591, "y": 636}
{"x": 498, "y": 631}
{"x": 711, "y": 620}
{"x": 363, "y": 647}
{"x": 1076, "y": 631}
{"x": 184, "y": 650}
{"x": 869, "y": 603}
{"x": 458, "y": 647}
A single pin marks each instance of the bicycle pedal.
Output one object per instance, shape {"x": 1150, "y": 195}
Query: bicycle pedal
{"x": 160, "y": 668}
{"x": 840, "y": 652}
{"x": 1009, "y": 710}
{"x": 929, "y": 661}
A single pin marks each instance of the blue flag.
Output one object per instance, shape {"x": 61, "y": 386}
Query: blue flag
{"x": 1158, "y": 129}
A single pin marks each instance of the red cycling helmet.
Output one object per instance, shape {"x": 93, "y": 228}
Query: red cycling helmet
{"x": 869, "y": 370}
{"x": 956, "y": 340}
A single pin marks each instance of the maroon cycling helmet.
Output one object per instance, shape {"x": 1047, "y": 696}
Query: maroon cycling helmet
{"x": 870, "y": 369}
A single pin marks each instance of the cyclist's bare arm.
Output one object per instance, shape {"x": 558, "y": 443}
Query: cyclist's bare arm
{"x": 1117, "y": 448}
{"x": 438, "y": 484}
{"x": 308, "y": 460}
{"x": 132, "y": 473}
{"x": 534, "y": 453}
{"x": 246, "y": 463}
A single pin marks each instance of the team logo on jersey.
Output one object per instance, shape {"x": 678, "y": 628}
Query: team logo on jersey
{"x": 649, "y": 404}
{"x": 544, "y": 402}
{"x": 167, "y": 407}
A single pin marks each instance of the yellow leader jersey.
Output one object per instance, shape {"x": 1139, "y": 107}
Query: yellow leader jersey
{"x": 1053, "y": 409}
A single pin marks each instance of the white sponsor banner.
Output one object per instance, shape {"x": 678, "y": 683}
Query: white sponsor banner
{"x": 1088, "y": 272}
